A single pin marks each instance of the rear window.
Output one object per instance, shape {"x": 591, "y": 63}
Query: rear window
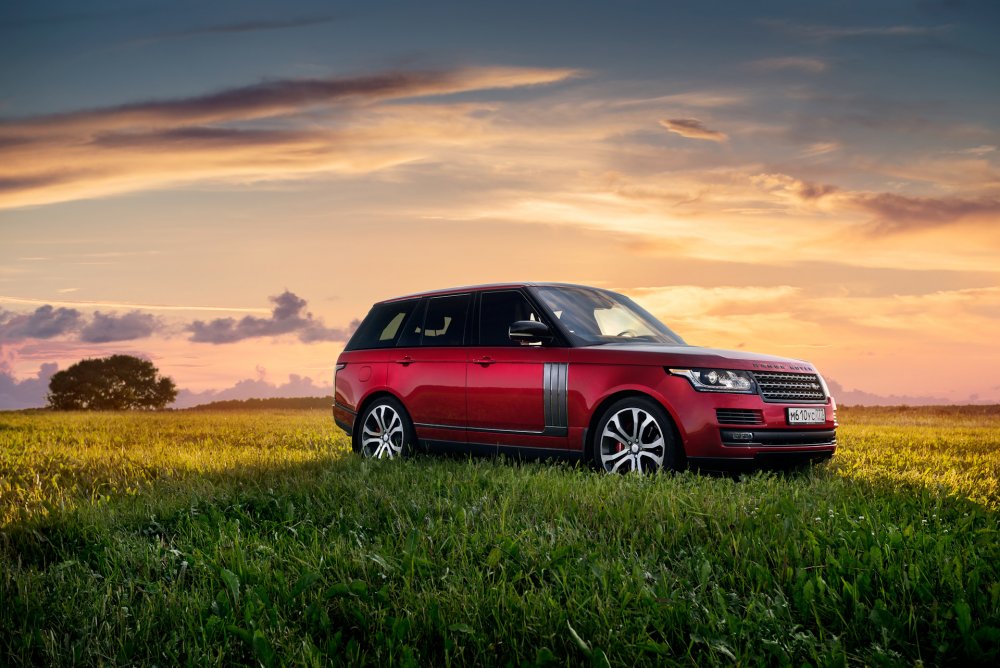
{"x": 381, "y": 326}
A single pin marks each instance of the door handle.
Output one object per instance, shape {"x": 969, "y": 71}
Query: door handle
{"x": 485, "y": 360}
{"x": 405, "y": 361}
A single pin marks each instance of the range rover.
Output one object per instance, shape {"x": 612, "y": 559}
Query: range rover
{"x": 549, "y": 369}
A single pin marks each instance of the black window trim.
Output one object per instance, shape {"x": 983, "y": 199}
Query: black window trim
{"x": 422, "y": 308}
{"x": 352, "y": 345}
{"x": 559, "y": 339}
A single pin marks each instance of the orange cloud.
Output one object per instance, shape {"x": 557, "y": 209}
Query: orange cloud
{"x": 146, "y": 145}
{"x": 692, "y": 128}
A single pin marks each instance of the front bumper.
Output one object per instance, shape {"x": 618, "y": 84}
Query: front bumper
{"x": 707, "y": 428}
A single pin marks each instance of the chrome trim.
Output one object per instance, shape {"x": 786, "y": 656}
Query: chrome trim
{"x": 548, "y": 431}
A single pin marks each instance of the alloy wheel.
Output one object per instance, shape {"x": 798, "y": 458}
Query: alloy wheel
{"x": 382, "y": 434}
{"x": 632, "y": 440}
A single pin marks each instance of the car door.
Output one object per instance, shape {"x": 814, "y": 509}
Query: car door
{"x": 517, "y": 394}
{"x": 429, "y": 367}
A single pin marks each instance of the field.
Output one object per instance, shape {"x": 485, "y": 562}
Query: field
{"x": 256, "y": 537}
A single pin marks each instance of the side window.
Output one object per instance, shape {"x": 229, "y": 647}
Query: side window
{"x": 381, "y": 326}
{"x": 438, "y": 321}
{"x": 414, "y": 327}
{"x": 499, "y": 310}
{"x": 444, "y": 322}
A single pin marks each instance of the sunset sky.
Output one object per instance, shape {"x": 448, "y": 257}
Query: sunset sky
{"x": 224, "y": 187}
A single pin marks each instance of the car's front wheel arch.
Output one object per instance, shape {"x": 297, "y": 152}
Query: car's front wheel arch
{"x": 599, "y": 410}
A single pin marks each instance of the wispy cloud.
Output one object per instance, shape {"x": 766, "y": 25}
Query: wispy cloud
{"x": 817, "y": 149}
{"x": 898, "y": 213}
{"x": 141, "y": 145}
{"x": 833, "y": 32}
{"x": 237, "y": 28}
{"x": 890, "y": 213}
{"x": 129, "y": 305}
{"x": 692, "y": 128}
{"x": 800, "y": 63}
{"x": 798, "y": 189}
{"x": 281, "y": 97}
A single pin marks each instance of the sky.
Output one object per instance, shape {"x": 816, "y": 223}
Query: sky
{"x": 225, "y": 188}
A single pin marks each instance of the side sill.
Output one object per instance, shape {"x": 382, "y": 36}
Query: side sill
{"x": 548, "y": 431}
{"x": 492, "y": 450}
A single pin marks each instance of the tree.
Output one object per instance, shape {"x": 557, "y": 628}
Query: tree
{"x": 119, "y": 382}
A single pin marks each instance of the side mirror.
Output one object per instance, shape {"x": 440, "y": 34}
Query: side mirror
{"x": 530, "y": 331}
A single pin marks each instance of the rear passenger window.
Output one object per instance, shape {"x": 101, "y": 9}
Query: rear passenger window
{"x": 443, "y": 322}
{"x": 498, "y": 311}
{"x": 381, "y": 326}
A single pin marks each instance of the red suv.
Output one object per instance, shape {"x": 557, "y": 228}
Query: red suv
{"x": 567, "y": 370}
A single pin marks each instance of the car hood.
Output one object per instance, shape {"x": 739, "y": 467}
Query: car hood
{"x": 696, "y": 356}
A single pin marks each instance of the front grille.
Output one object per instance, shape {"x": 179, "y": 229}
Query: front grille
{"x": 739, "y": 416}
{"x": 789, "y": 387}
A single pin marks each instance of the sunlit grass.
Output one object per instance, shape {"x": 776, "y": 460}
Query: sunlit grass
{"x": 954, "y": 452}
{"x": 258, "y": 537}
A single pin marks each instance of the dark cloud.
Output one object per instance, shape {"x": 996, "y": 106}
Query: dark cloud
{"x": 197, "y": 137}
{"x": 692, "y": 128}
{"x": 20, "y": 183}
{"x": 812, "y": 191}
{"x": 288, "y": 316}
{"x": 240, "y": 27}
{"x": 258, "y": 100}
{"x": 28, "y": 393}
{"x": 44, "y": 323}
{"x": 19, "y": 22}
{"x": 317, "y": 332}
{"x": 899, "y": 213}
{"x": 104, "y": 328}
{"x": 831, "y": 32}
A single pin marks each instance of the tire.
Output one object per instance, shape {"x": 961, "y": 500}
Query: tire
{"x": 636, "y": 434}
{"x": 385, "y": 431}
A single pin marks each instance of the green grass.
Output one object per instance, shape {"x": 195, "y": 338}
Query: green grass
{"x": 258, "y": 538}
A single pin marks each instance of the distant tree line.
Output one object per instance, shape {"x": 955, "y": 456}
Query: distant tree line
{"x": 274, "y": 402}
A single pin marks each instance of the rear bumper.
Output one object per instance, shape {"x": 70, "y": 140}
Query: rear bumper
{"x": 344, "y": 417}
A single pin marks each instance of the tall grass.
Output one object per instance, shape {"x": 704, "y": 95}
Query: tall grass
{"x": 258, "y": 538}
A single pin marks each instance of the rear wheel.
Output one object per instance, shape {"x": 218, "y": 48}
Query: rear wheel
{"x": 635, "y": 434}
{"x": 386, "y": 431}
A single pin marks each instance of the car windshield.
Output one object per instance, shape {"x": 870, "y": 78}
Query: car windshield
{"x": 593, "y": 317}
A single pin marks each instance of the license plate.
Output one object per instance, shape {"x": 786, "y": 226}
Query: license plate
{"x": 806, "y": 415}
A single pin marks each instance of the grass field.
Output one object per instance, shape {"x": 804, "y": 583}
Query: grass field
{"x": 258, "y": 538}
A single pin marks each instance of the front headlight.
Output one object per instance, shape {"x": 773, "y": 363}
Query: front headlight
{"x": 718, "y": 380}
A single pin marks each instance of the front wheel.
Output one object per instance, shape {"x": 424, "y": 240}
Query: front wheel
{"x": 385, "y": 431}
{"x": 634, "y": 434}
